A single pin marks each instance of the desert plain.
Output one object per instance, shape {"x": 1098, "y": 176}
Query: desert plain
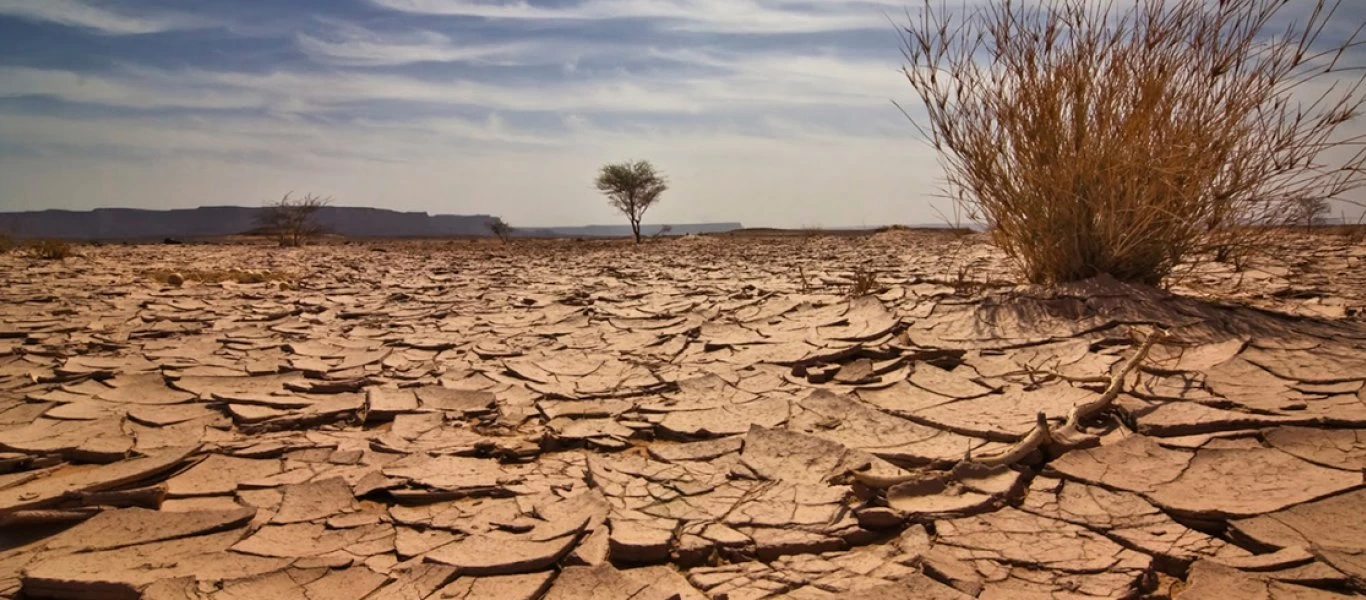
{"x": 882, "y": 416}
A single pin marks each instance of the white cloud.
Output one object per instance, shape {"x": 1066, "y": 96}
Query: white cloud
{"x": 731, "y": 16}
{"x": 752, "y": 82}
{"x": 131, "y": 89}
{"x": 78, "y": 13}
{"x": 283, "y": 139}
{"x": 353, "y": 46}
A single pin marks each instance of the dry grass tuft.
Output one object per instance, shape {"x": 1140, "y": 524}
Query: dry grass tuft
{"x": 865, "y": 283}
{"x": 170, "y": 277}
{"x": 1122, "y": 137}
{"x": 49, "y": 249}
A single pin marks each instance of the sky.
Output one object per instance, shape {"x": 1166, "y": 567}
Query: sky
{"x": 766, "y": 112}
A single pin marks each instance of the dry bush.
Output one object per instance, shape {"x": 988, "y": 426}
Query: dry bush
{"x": 293, "y": 220}
{"x": 1122, "y": 137}
{"x": 6, "y": 243}
{"x": 499, "y": 228}
{"x": 865, "y": 283}
{"x": 49, "y": 249}
{"x": 1312, "y": 212}
{"x": 811, "y": 232}
{"x": 1351, "y": 232}
{"x": 1354, "y": 234}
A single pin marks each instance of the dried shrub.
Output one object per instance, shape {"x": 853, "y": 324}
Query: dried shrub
{"x": 49, "y": 249}
{"x": 293, "y": 221}
{"x": 1350, "y": 231}
{"x": 865, "y": 283}
{"x": 499, "y": 228}
{"x": 1312, "y": 212}
{"x": 1122, "y": 138}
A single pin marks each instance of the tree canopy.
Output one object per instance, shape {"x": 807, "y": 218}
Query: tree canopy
{"x": 632, "y": 188}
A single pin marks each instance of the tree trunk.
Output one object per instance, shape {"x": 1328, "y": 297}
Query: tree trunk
{"x": 635, "y": 229}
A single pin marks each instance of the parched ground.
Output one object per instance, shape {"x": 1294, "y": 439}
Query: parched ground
{"x": 878, "y": 417}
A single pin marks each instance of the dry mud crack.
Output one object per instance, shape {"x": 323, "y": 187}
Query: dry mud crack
{"x": 696, "y": 418}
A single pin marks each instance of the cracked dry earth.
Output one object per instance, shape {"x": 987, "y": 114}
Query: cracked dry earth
{"x": 696, "y": 418}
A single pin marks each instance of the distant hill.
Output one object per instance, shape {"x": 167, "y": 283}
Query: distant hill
{"x": 211, "y": 221}
{"x": 215, "y": 221}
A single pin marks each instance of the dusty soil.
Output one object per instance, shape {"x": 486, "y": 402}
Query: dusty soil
{"x": 695, "y": 418}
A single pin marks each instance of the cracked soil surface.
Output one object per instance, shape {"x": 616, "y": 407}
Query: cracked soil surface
{"x": 701, "y": 417}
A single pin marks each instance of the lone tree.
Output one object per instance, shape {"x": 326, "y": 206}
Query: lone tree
{"x": 632, "y": 188}
{"x": 292, "y": 221}
{"x": 500, "y": 228}
{"x": 1312, "y": 211}
{"x": 1126, "y": 137}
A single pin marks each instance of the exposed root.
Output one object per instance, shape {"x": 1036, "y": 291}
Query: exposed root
{"x": 1066, "y": 437}
{"x": 1039, "y": 437}
{"x": 146, "y": 497}
{"x": 28, "y": 518}
{"x": 1070, "y": 434}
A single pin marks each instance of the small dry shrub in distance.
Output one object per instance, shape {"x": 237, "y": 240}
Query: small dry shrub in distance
{"x": 293, "y": 221}
{"x": 6, "y": 243}
{"x": 1124, "y": 137}
{"x": 499, "y": 228}
{"x": 49, "y": 249}
{"x": 811, "y": 232}
{"x": 1312, "y": 212}
{"x": 1352, "y": 232}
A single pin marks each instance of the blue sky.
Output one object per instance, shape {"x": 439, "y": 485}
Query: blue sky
{"x": 769, "y": 112}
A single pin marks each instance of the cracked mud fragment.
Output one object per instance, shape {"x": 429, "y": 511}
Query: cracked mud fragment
{"x": 1125, "y": 517}
{"x": 1338, "y": 448}
{"x": 125, "y": 572}
{"x": 1209, "y": 580}
{"x": 1332, "y": 523}
{"x": 421, "y": 420}
{"x": 1014, "y": 552}
{"x": 856, "y": 425}
{"x": 1210, "y": 483}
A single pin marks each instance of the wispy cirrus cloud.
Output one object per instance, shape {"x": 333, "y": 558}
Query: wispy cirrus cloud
{"x": 345, "y": 44}
{"x": 78, "y": 13}
{"x": 727, "y": 16}
{"x": 749, "y": 81}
